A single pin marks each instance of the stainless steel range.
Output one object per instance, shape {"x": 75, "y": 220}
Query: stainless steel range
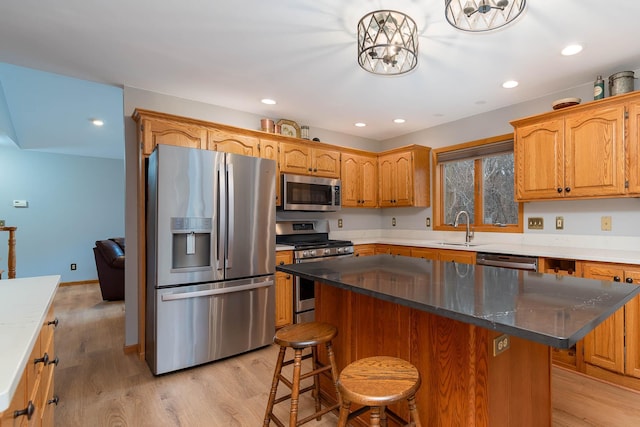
{"x": 310, "y": 239}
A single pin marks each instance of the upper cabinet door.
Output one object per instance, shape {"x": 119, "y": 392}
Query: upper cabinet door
{"x": 633, "y": 147}
{"x": 295, "y": 158}
{"x": 404, "y": 179}
{"x": 350, "y": 180}
{"x": 220, "y": 140}
{"x": 156, "y": 132}
{"x": 368, "y": 181}
{"x": 326, "y": 163}
{"x": 538, "y": 153}
{"x": 594, "y": 153}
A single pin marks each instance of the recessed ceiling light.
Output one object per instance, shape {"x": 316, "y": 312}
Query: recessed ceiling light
{"x": 97, "y": 122}
{"x": 399, "y": 120}
{"x": 360, "y": 124}
{"x": 509, "y": 84}
{"x": 572, "y": 49}
{"x": 268, "y": 101}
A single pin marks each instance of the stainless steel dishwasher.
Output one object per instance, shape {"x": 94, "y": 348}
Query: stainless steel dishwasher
{"x": 519, "y": 262}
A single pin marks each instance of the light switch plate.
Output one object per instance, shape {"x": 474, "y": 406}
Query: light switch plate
{"x": 535, "y": 223}
{"x": 559, "y": 223}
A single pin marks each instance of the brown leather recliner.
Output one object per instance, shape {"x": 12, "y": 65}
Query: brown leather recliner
{"x": 109, "y": 256}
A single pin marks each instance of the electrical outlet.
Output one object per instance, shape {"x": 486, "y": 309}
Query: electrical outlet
{"x": 73, "y": 267}
{"x": 605, "y": 223}
{"x": 340, "y": 223}
{"x": 559, "y": 223}
{"x": 393, "y": 222}
{"x": 428, "y": 222}
{"x": 535, "y": 223}
{"x": 500, "y": 344}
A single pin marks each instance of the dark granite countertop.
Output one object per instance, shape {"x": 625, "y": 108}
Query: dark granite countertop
{"x": 554, "y": 310}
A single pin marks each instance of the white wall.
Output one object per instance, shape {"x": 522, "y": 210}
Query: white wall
{"x": 72, "y": 202}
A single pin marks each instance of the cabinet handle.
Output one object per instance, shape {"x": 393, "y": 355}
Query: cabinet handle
{"x": 281, "y": 262}
{"x": 616, "y": 278}
{"x": 53, "y": 362}
{"x": 357, "y": 255}
{"x": 315, "y": 170}
{"x": 309, "y": 169}
{"x": 53, "y": 322}
{"x": 559, "y": 189}
{"x": 288, "y": 277}
{"x": 28, "y": 411}
{"x": 567, "y": 189}
{"x": 55, "y": 400}
{"x": 44, "y": 359}
{"x": 629, "y": 280}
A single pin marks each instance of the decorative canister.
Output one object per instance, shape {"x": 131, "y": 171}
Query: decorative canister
{"x": 278, "y": 129}
{"x": 267, "y": 125}
{"x": 304, "y": 132}
{"x": 621, "y": 82}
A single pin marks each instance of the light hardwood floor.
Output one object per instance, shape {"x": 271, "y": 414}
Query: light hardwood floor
{"x": 99, "y": 385}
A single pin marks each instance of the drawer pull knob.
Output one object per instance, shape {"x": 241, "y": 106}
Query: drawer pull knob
{"x": 53, "y": 322}
{"x": 44, "y": 359}
{"x": 616, "y": 278}
{"x": 55, "y": 400}
{"x": 53, "y": 362}
{"x": 28, "y": 411}
{"x": 629, "y": 280}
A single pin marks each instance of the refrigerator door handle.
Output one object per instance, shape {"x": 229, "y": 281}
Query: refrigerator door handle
{"x": 219, "y": 291}
{"x": 231, "y": 213}
{"x": 222, "y": 216}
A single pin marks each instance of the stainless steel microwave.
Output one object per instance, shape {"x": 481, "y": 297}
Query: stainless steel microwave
{"x": 310, "y": 193}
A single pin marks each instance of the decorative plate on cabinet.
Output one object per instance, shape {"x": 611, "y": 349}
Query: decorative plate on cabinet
{"x": 289, "y": 128}
{"x": 565, "y": 102}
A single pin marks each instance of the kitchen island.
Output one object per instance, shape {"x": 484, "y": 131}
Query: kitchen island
{"x": 26, "y": 332}
{"x": 480, "y": 336}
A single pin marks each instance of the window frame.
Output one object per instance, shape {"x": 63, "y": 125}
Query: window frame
{"x": 438, "y": 180}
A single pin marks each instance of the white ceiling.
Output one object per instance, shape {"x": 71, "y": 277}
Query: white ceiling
{"x": 303, "y": 54}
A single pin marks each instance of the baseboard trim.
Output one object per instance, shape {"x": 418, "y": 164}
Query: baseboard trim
{"x": 131, "y": 349}
{"x": 82, "y": 282}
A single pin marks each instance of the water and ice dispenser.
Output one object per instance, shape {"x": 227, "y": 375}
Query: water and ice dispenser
{"x": 191, "y": 243}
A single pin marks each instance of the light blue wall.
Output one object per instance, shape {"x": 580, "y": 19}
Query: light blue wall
{"x": 73, "y": 201}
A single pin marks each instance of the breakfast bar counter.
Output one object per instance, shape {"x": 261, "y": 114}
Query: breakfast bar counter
{"x": 480, "y": 336}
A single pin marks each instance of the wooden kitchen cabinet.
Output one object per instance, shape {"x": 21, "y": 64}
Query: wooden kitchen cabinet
{"x": 284, "y": 290}
{"x": 393, "y": 250}
{"x": 359, "y": 176}
{"x": 453, "y": 255}
{"x": 576, "y": 153}
{"x": 36, "y": 387}
{"x": 232, "y": 142}
{"x": 403, "y": 176}
{"x": 425, "y": 253}
{"x": 306, "y": 159}
{"x": 154, "y": 129}
{"x": 633, "y": 146}
{"x": 269, "y": 150}
{"x": 364, "y": 250}
{"x": 614, "y": 345}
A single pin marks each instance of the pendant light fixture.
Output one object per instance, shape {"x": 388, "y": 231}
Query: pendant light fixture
{"x": 482, "y": 15}
{"x": 387, "y": 43}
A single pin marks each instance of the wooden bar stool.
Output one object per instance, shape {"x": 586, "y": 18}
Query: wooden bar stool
{"x": 377, "y": 382}
{"x": 299, "y": 337}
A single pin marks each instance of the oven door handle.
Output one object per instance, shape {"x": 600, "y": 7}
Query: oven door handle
{"x": 218, "y": 291}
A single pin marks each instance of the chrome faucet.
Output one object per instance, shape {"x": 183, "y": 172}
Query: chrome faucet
{"x": 469, "y": 235}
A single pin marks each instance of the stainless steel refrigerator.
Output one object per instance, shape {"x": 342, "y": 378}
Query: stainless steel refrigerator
{"x": 210, "y": 256}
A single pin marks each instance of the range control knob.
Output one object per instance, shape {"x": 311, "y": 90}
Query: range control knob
{"x": 340, "y": 250}
{"x": 305, "y": 254}
{"x": 312, "y": 252}
{"x": 327, "y": 251}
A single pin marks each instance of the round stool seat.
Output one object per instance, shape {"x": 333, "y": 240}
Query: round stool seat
{"x": 302, "y": 335}
{"x": 377, "y": 382}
